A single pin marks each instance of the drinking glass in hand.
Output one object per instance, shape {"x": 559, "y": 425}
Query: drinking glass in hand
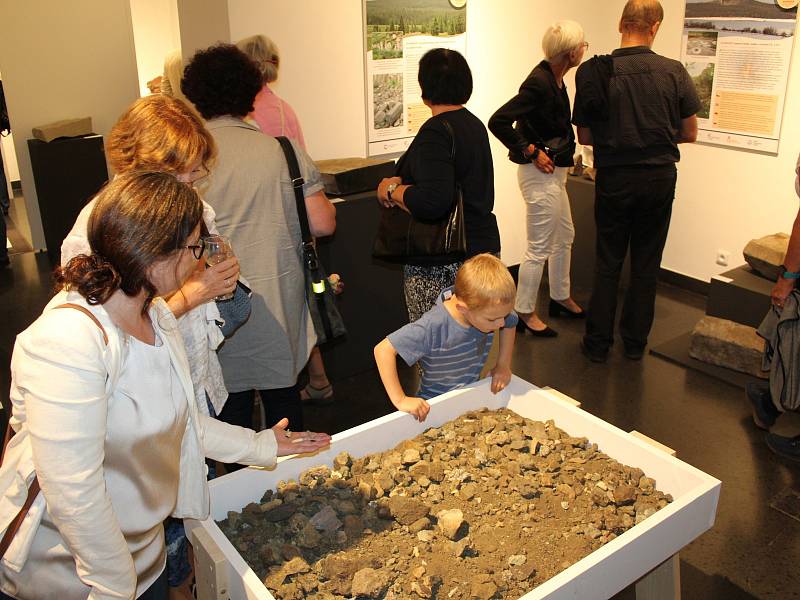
{"x": 218, "y": 248}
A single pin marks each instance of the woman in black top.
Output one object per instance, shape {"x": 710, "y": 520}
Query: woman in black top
{"x": 427, "y": 174}
{"x": 535, "y": 127}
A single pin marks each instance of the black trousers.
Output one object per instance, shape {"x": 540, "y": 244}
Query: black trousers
{"x": 633, "y": 206}
{"x": 278, "y": 403}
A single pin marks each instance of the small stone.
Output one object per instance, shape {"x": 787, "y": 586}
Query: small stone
{"x": 482, "y": 588}
{"x": 419, "y": 525}
{"x": 326, "y": 520}
{"x": 624, "y": 494}
{"x": 565, "y": 505}
{"x": 280, "y": 513}
{"x": 516, "y": 560}
{"x": 368, "y": 583}
{"x": 450, "y": 522}
{"x": 461, "y": 547}
{"x": 406, "y": 510}
{"x": 411, "y": 456}
{"x": 425, "y": 536}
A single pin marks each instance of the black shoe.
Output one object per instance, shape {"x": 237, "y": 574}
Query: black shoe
{"x": 633, "y": 353}
{"x": 596, "y": 356}
{"x": 764, "y": 412}
{"x": 546, "y": 332}
{"x": 556, "y": 309}
{"x": 787, "y": 447}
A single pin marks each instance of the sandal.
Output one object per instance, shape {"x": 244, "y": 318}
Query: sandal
{"x": 315, "y": 395}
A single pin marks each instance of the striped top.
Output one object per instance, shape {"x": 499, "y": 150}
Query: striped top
{"x": 450, "y": 355}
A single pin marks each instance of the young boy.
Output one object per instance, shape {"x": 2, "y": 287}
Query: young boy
{"x": 452, "y": 340}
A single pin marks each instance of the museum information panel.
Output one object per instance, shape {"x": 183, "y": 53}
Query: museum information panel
{"x": 397, "y": 34}
{"x": 738, "y": 54}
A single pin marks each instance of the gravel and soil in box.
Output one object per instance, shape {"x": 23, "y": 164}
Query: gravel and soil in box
{"x": 487, "y": 506}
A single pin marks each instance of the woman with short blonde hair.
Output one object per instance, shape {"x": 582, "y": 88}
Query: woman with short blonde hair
{"x": 535, "y": 126}
{"x": 273, "y": 114}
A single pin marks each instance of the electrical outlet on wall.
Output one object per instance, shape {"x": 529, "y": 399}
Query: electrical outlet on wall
{"x": 723, "y": 257}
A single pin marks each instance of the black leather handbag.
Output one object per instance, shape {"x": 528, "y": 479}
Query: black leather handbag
{"x": 321, "y": 302}
{"x": 405, "y": 239}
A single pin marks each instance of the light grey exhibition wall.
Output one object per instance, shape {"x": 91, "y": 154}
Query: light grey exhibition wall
{"x": 202, "y": 23}
{"x": 61, "y": 60}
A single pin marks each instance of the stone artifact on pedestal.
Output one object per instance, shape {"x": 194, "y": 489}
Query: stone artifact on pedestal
{"x": 765, "y": 255}
{"x": 728, "y": 344}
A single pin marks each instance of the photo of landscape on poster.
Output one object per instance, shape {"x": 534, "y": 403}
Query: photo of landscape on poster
{"x": 397, "y": 33}
{"x": 738, "y": 53}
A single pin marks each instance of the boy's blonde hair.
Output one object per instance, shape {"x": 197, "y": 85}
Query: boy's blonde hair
{"x": 483, "y": 281}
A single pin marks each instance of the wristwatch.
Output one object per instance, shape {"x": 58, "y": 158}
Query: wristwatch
{"x": 390, "y": 188}
{"x": 787, "y": 274}
{"x": 535, "y": 153}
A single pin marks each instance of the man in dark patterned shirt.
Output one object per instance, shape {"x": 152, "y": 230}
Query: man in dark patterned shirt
{"x": 634, "y": 107}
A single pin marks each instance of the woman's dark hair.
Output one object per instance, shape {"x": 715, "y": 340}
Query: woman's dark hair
{"x": 444, "y": 77}
{"x": 138, "y": 218}
{"x": 221, "y": 80}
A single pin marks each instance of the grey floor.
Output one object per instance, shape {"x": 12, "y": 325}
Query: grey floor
{"x": 753, "y": 552}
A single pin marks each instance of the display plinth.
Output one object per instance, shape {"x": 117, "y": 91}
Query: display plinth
{"x": 601, "y": 574}
{"x": 739, "y": 295}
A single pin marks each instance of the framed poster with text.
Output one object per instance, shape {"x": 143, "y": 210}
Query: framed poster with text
{"x": 397, "y": 33}
{"x": 738, "y": 54}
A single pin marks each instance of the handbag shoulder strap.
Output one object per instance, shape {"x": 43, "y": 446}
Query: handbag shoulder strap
{"x": 452, "y": 135}
{"x": 297, "y": 185}
{"x": 34, "y": 488}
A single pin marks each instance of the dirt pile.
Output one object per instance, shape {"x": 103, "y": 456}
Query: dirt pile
{"x": 487, "y": 506}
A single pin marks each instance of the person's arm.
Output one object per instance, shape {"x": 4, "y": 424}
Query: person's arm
{"x": 321, "y": 214}
{"x": 501, "y": 123}
{"x": 688, "y": 132}
{"x": 203, "y": 285}
{"x": 433, "y": 172}
{"x": 59, "y": 373}
{"x": 783, "y": 287}
{"x": 501, "y": 374}
{"x": 386, "y": 359}
{"x": 233, "y": 444}
{"x": 585, "y": 136}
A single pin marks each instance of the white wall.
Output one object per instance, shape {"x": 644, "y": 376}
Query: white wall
{"x": 202, "y": 23}
{"x": 156, "y": 33}
{"x": 724, "y": 197}
{"x": 61, "y": 60}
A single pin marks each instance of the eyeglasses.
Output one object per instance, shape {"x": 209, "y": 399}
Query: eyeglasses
{"x": 585, "y": 45}
{"x": 196, "y": 175}
{"x": 198, "y": 249}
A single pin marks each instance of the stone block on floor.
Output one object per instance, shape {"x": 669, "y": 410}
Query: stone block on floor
{"x": 765, "y": 255}
{"x": 728, "y": 344}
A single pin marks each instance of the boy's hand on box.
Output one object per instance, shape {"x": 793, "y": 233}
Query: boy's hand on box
{"x": 417, "y": 407}
{"x": 501, "y": 375}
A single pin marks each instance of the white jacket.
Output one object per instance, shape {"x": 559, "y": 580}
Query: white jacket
{"x": 63, "y": 375}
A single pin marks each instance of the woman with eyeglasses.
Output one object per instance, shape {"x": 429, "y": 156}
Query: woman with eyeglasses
{"x": 535, "y": 126}
{"x": 160, "y": 133}
{"x": 104, "y": 410}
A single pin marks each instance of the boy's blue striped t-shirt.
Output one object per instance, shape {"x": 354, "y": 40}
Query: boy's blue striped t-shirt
{"x": 450, "y": 355}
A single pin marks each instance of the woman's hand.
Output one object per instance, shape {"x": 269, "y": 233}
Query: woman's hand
{"x": 383, "y": 192}
{"x": 298, "y": 442}
{"x": 416, "y": 407}
{"x": 207, "y": 283}
{"x": 783, "y": 287}
{"x": 542, "y": 161}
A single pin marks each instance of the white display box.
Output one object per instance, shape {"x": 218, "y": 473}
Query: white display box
{"x": 601, "y": 574}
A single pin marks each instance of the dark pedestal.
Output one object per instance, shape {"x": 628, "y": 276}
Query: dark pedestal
{"x": 739, "y": 295}
{"x": 372, "y": 304}
{"x": 67, "y": 173}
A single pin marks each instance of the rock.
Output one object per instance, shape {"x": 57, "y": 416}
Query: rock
{"x": 411, "y": 456}
{"x": 406, "y": 510}
{"x": 450, "y": 522}
{"x": 425, "y": 536}
{"x": 295, "y": 566}
{"x": 326, "y": 520}
{"x": 498, "y": 438}
{"x": 280, "y": 513}
{"x": 468, "y": 491}
{"x": 419, "y": 525}
{"x": 368, "y": 583}
{"x": 233, "y": 518}
{"x": 308, "y": 537}
{"x": 482, "y": 587}
{"x": 624, "y": 494}
{"x": 765, "y": 255}
{"x": 461, "y": 547}
{"x": 515, "y": 560}
{"x": 728, "y": 344}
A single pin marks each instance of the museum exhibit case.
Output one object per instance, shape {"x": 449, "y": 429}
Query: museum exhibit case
{"x": 601, "y": 574}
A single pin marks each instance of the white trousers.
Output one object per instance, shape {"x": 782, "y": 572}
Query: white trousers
{"x": 550, "y": 235}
